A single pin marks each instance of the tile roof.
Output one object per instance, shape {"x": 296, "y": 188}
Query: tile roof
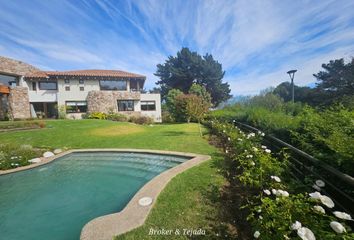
{"x": 86, "y": 73}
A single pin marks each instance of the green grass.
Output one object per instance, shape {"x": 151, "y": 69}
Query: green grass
{"x": 187, "y": 201}
{"x": 109, "y": 134}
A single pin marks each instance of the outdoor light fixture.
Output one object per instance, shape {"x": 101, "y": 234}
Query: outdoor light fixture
{"x": 291, "y": 75}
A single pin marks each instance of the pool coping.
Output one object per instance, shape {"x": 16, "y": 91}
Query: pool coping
{"x": 133, "y": 215}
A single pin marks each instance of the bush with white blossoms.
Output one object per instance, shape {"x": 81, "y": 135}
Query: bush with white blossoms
{"x": 279, "y": 204}
{"x": 13, "y": 155}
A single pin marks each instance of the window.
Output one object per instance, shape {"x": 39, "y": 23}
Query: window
{"x": 120, "y": 85}
{"x": 81, "y": 81}
{"x": 148, "y": 106}
{"x": 67, "y": 81}
{"x": 48, "y": 85}
{"x": 8, "y": 80}
{"x": 34, "y": 86}
{"x": 125, "y": 105}
{"x": 76, "y": 106}
{"x": 82, "y": 89}
{"x": 67, "y": 88}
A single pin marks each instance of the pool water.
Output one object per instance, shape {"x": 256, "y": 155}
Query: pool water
{"x": 56, "y": 200}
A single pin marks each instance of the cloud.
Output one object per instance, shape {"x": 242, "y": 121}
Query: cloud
{"x": 256, "y": 41}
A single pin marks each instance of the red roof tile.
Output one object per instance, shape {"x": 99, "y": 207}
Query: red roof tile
{"x": 86, "y": 73}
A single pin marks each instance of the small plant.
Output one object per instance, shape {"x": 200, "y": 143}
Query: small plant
{"x": 141, "y": 120}
{"x": 98, "y": 115}
{"x": 117, "y": 117}
{"x": 62, "y": 112}
{"x": 13, "y": 155}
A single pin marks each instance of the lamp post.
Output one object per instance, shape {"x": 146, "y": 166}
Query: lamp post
{"x": 291, "y": 75}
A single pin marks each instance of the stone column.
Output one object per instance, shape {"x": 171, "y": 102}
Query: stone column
{"x": 19, "y": 103}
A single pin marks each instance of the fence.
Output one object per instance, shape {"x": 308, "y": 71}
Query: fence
{"x": 339, "y": 186}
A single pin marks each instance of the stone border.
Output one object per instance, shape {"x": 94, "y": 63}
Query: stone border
{"x": 133, "y": 215}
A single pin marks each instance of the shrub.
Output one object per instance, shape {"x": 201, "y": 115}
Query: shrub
{"x": 97, "y": 115}
{"x": 167, "y": 117}
{"x": 22, "y": 124}
{"x": 62, "y": 112}
{"x": 117, "y": 117}
{"x": 13, "y": 155}
{"x": 274, "y": 200}
{"x": 141, "y": 120}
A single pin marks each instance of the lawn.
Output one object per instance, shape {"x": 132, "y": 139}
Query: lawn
{"x": 189, "y": 200}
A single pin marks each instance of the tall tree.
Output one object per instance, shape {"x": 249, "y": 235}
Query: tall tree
{"x": 336, "y": 80}
{"x": 188, "y": 67}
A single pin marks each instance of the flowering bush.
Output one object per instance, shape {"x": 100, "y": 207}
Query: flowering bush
{"x": 278, "y": 207}
{"x": 13, "y": 156}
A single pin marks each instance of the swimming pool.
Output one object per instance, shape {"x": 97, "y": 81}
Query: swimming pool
{"x": 54, "y": 201}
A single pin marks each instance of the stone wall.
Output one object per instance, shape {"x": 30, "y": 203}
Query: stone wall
{"x": 106, "y": 101}
{"x": 3, "y": 106}
{"x": 19, "y": 103}
{"x": 11, "y": 66}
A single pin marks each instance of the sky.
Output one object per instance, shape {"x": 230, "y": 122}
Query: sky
{"x": 256, "y": 41}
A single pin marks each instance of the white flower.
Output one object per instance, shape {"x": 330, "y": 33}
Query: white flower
{"x": 234, "y": 120}
{"x": 229, "y": 139}
{"x": 250, "y": 135}
{"x": 223, "y": 131}
{"x": 256, "y": 234}
{"x": 327, "y": 201}
{"x": 342, "y": 215}
{"x": 260, "y": 217}
{"x": 252, "y": 163}
{"x": 315, "y": 195}
{"x": 262, "y": 134}
{"x": 283, "y": 193}
{"x": 264, "y": 147}
{"x": 226, "y": 151}
{"x": 274, "y": 191}
{"x": 316, "y": 187}
{"x": 319, "y": 209}
{"x": 249, "y": 156}
{"x": 305, "y": 234}
{"x": 320, "y": 183}
{"x": 275, "y": 178}
{"x": 337, "y": 227}
{"x": 268, "y": 151}
{"x": 296, "y": 225}
{"x": 259, "y": 210}
{"x": 266, "y": 191}
{"x": 239, "y": 139}
{"x": 255, "y": 149}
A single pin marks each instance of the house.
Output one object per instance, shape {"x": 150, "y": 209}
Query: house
{"x": 36, "y": 93}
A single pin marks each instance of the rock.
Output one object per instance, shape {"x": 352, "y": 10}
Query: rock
{"x": 35, "y": 160}
{"x": 48, "y": 154}
{"x": 57, "y": 151}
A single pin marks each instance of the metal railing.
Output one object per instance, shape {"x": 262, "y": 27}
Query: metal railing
{"x": 305, "y": 168}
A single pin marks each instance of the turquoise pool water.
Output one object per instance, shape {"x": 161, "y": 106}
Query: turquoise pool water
{"x": 56, "y": 200}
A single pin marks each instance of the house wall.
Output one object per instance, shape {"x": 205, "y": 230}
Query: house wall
{"x": 75, "y": 94}
{"x": 156, "y": 115}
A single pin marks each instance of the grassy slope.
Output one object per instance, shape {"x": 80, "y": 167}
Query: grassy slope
{"x": 184, "y": 203}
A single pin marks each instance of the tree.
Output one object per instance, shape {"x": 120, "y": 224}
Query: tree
{"x": 155, "y": 90}
{"x": 337, "y": 80}
{"x": 188, "y": 67}
{"x": 301, "y": 94}
{"x": 200, "y": 91}
{"x": 171, "y": 104}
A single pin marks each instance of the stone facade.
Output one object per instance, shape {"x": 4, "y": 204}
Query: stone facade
{"x": 106, "y": 101}
{"x": 18, "y": 101}
{"x": 11, "y": 66}
{"x": 3, "y": 106}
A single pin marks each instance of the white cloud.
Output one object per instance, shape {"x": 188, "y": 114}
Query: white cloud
{"x": 256, "y": 41}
